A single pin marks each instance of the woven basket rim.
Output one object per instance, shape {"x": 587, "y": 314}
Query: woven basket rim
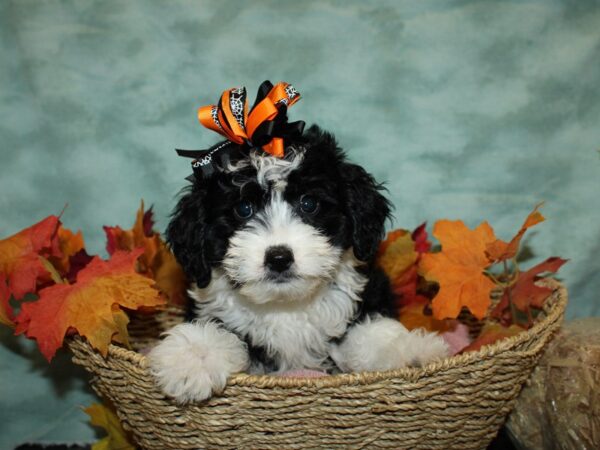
{"x": 554, "y": 307}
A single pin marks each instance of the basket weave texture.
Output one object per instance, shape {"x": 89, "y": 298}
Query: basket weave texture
{"x": 456, "y": 403}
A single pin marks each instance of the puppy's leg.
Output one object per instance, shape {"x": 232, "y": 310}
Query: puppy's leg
{"x": 382, "y": 343}
{"x": 195, "y": 359}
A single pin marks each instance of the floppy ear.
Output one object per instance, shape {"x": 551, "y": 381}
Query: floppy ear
{"x": 186, "y": 236}
{"x": 366, "y": 209}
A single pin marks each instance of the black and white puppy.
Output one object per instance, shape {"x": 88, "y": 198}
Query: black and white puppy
{"x": 281, "y": 253}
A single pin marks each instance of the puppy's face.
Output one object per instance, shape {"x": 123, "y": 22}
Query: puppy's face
{"x": 279, "y": 227}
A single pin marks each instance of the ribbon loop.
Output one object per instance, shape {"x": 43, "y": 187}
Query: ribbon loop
{"x": 265, "y": 125}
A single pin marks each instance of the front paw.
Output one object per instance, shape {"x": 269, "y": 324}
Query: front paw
{"x": 382, "y": 343}
{"x": 195, "y": 360}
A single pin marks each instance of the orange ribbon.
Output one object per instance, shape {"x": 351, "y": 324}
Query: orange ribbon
{"x": 231, "y": 119}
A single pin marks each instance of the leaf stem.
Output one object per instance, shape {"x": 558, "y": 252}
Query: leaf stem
{"x": 507, "y": 290}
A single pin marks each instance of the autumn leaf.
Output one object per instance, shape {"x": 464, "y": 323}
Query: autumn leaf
{"x": 87, "y": 305}
{"x": 157, "y": 262}
{"x": 420, "y": 238}
{"x": 501, "y": 251}
{"x": 413, "y": 316}
{"x": 70, "y": 244}
{"x": 103, "y": 417}
{"x": 397, "y": 254}
{"x": 19, "y": 256}
{"x": 490, "y": 334}
{"x": 121, "y": 321}
{"x": 459, "y": 269}
{"x": 119, "y": 239}
{"x": 6, "y": 314}
{"x": 52, "y": 272}
{"x": 525, "y": 293}
{"x": 405, "y": 288}
{"x": 77, "y": 262}
{"x": 169, "y": 276}
{"x": 397, "y": 257}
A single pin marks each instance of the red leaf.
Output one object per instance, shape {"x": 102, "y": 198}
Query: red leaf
{"x": 525, "y": 293}
{"x": 89, "y": 305}
{"x": 148, "y": 222}
{"x": 19, "y": 255}
{"x": 420, "y": 237}
{"x": 77, "y": 262}
{"x": 6, "y": 314}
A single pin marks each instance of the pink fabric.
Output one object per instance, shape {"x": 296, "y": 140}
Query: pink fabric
{"x": 457, "y": 338}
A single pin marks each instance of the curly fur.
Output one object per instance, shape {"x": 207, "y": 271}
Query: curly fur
{"x": 316, "y": 314}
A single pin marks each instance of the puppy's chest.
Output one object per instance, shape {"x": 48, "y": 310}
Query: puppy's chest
{"x": 293, "y": 338}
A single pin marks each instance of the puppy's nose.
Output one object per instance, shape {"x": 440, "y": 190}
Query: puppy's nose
{"x": 279, "y": 258}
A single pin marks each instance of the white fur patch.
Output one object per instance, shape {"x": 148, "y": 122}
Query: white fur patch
{"x": 315, "y": 259}
{"x": 195, "y": 359}
{"x": 271, "y": 170}
{"x": 296, "y": 333}
{"x": 383, "y": 343}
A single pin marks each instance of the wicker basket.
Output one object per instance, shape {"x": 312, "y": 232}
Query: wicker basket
{"x": 457, "y": 403}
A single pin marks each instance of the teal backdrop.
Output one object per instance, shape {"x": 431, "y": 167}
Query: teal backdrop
{"x": 474, "y": 110}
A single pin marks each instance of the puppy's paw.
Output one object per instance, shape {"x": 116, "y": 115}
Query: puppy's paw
{"x": 195, "y": 360}
{"x": 382, "y": 343}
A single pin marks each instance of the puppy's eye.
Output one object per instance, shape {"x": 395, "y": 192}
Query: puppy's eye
{"x": 244, "y": 209}
{"x": 309, "y": 204}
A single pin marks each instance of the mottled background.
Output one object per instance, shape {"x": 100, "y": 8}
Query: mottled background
{"x": 472, "y": 110}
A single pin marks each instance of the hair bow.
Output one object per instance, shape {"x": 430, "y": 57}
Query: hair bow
{"x": 265, "y": 125}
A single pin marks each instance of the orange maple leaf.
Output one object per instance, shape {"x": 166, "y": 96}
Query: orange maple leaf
{"x": 20, "y": 256}
{"x": 501, "y": 251}
{"x": 70, "y": 244}
{"x": 137, "y": 236}
{"x": 459, "y": 269}
{"x": 413, "y": 316}
{"x": 158, "y": 262}
{"x": 88, "y": 305}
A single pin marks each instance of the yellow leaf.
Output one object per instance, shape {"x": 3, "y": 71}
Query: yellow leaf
{"x": 51, "y": 270}
{"x": 397, "y": 254}
{"x": 103, "y": 417}
{"x": 121, "y": 320}
{"x": 157, "y": 262}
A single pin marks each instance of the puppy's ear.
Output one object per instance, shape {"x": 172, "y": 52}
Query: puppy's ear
{"x": 366, "y": 209}
{"x": 186, "y": 234}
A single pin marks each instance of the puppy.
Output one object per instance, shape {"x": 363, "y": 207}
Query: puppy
{"x": 281, "y": 254}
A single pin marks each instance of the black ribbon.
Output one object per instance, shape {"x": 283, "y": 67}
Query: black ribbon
{"x": 217, "y": 157}
{"x": 206, "y": 162}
